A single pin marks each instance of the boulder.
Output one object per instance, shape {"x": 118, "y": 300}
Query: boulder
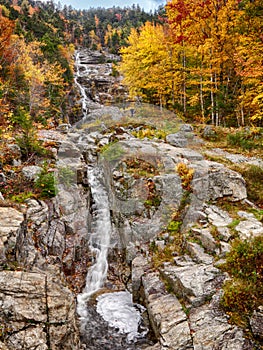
{"x": 186, "y": 128}
{"x": 177, "y": 140}
{"x": 31, "y": 172}
{"x": 213, "y": 181}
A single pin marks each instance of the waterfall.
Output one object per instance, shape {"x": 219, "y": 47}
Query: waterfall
{"x": 79, "y": 67}
{"x": 99, "y": 238}
{"x": 116, "y": 322}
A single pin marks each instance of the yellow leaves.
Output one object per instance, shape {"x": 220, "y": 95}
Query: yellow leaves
{"x": 147, "y": 62}
{"x": 186, "y": 174}
{"x": 67, "y": 51}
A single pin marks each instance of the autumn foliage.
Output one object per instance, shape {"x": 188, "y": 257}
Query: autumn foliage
{"x": 205, "y": 61}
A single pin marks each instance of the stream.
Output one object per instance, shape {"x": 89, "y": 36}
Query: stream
{"x": 112, "y": 320}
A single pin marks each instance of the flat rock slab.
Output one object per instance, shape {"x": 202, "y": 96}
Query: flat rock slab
{"x": 217, "y": 216}
{"x": 196, "y": 284}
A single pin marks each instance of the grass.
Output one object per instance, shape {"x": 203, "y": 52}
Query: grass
{"x": 253, "y": 176}
{"x": 140, "y": 168}
{"x": 150, "y": 133}
{"x": 247, "y": 141}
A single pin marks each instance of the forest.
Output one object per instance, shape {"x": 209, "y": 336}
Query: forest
{"x": 200, "y": 59}
{"x": 37, "y": 44}
{"x": 203, "y": 59}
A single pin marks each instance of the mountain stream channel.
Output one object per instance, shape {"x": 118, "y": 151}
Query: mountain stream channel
{"x": 107, "y": 320}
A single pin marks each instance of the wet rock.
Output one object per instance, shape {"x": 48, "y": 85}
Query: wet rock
{"x": 139, "y": 267}
{"x": 98, "y": 335}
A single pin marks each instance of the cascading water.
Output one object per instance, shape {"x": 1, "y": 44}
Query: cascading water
{"x": 99, "y": 239}
{"x": 80, "y": 87}
{"x": 116, "y": 322}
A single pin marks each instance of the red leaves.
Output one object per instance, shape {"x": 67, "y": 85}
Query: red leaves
{"x": 118, "y": 16}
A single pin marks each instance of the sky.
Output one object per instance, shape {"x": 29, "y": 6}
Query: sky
{"x": 147, "y": 5}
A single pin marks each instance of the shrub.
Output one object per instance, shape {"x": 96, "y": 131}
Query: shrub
{"x": 66, "y": 176}
{"x": 22, "y": 197}
{"x": 254, "y": 180}
{"x": 186, "y": 174}
{"x": 27, "y": 140}
{"x": 244, "y": 292}
{"x": 46, "y": 183}
{"x": 245, "y": 139}
{"x": 112, "y": 151}
{"x": 150, "y": 133}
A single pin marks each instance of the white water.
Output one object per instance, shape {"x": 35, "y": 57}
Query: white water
{"x": 99, "y": 240}
{"x": 80, "y": 66}
{"x": 120, "y": 313}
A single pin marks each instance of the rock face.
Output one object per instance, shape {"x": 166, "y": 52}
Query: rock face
{"x": 37, "y": 312}
{"x": 12, "y": 226}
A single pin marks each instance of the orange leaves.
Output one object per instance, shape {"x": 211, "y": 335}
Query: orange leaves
{"x": 6, "y": 30}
